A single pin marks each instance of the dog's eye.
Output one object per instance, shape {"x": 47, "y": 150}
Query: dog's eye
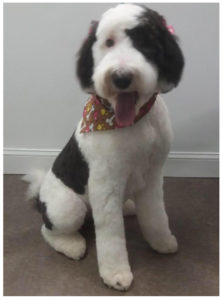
{"x": 110, "y": 43}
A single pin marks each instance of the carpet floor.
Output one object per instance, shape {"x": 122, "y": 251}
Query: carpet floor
{"x": 32, "y": 268}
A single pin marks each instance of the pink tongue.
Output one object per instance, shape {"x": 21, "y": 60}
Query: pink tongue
{"x": 125, "y": 109}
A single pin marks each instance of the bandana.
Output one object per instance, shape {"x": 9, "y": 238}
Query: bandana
{"x": 98, "y": 114}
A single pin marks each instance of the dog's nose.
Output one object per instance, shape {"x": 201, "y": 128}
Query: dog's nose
{"x": 122, "y": 81}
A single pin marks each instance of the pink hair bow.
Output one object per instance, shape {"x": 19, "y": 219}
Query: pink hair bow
{"x": 169, "y": 27}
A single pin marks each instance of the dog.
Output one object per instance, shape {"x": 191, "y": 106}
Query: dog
{"x": 120, "y": 145}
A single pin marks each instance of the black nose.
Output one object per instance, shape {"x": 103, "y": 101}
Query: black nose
{"x": 122, "y": 81}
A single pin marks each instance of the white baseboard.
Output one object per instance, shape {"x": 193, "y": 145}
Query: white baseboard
{"x": 179, "y": 164}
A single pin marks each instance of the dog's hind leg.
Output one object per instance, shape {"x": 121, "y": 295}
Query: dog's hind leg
{"x": 63, "y": 214}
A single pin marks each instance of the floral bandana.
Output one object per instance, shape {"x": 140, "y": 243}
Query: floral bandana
{"x": 98, "y": 114}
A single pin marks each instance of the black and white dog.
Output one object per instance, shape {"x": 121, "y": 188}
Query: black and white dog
{"x": 129, "y": 57}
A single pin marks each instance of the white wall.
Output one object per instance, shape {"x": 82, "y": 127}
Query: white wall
{"x": 43, "y": 101}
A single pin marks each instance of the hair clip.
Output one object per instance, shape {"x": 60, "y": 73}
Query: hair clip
{"x": 168, "y": 27}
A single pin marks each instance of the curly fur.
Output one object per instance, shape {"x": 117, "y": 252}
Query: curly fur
{"x": 101, "y": 170}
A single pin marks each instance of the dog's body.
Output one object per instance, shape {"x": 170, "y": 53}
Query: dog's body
{"x": 101, "y": 170}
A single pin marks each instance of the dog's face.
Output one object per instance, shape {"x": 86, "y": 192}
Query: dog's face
{"x": 127, "y": 57}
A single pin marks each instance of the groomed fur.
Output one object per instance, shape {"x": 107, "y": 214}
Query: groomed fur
{"x": 101, "y": 170}
{"x": 85, "y": 62}
{"x": 163, "y": 49}
{"x": 35, "y": 179}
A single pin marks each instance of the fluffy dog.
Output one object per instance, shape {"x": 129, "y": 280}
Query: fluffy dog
{"x": 120, "y": 145}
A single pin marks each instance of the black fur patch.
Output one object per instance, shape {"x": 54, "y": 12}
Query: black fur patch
{"x": 41, "y": 206}
{"x": 85, "y": 62}
{"x": 71, "y": 168}
{"x": 158, "y": 45}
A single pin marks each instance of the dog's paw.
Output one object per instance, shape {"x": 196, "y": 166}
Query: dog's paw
{"x": 120, "y": 280}
{"x": 73, "y": 246}
{"x": 165, "y": 244}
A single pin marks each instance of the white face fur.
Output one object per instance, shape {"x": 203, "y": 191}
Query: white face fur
{"x": 127, "y": 57}
{"x": 121, "y": 57}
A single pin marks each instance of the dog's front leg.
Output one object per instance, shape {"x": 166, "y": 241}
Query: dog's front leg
{"x": 152, "y": 216}
{"x": 107, "y": 204}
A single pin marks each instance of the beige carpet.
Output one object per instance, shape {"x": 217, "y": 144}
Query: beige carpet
{"x": 32, "y": 268}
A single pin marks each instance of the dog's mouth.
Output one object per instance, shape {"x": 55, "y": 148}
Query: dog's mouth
{"x": 125, "y": 108}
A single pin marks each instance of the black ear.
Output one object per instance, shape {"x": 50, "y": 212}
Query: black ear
{"x": 171, "y": 61}
{"x": 152, "y": 38}
{"x": 85, "y": 64}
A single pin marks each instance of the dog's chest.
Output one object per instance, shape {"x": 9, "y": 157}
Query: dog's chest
{"x": 140, "y": 162}
{"x": 126, "y": 156}
{"x": 123, "y": 153}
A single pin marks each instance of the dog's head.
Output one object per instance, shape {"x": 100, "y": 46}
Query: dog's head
{"x": 127, "y": 57}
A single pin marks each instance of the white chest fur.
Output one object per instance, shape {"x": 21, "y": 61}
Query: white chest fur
{"x": 127, "y": 154}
